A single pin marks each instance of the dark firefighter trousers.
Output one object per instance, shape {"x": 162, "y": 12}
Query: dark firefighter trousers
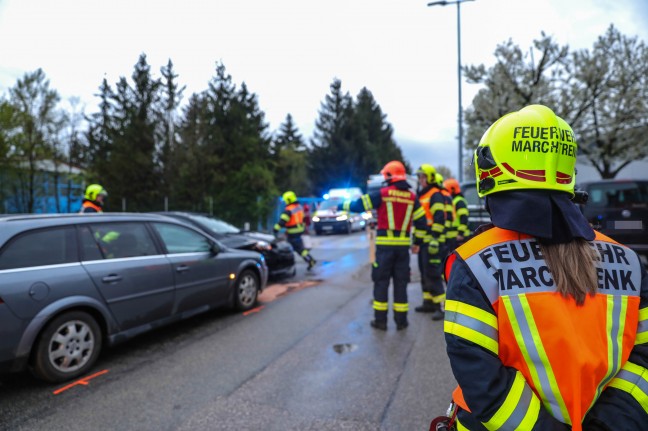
{"x": 298, "y": 245}
{"x": 431, "y": 270}
{"x": 392, "y": 263}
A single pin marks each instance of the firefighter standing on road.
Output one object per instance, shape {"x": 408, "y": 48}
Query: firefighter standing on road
{"x": 93, "y": 199}
{"x": 546, "y": 320}
{"x": 394, "y": 204}
{"x": 292, "y": 219}
{"x": 449, "y": 232}
{"x": 460, "y": 210}
{"x": 429, "y": 220}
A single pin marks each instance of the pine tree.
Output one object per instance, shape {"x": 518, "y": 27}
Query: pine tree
{"x": 290, "y": 159}
{"x": 330, "y": 146}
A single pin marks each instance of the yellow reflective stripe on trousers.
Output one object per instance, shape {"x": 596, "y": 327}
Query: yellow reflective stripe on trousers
{"x": 439, "y": 298}
{"x": 401, "y": 307}
{"x": 520, "y": 409}
{"x": 395, "y": 240}
{"x": 471, "y": 323}
{"x": 380, "y": 306}
{"x": 390, "y": 216}
{"x": 642, "y": 329}
{"x": 614, "y": 328}
{"x": 633, "y": 379}
{"x": 528, "y": 338}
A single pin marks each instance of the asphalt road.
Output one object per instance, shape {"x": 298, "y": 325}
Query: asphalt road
{"x": 305, "y": 359}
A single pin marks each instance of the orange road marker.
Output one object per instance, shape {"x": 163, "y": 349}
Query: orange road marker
{"x": 254, "y": 310}
{"x": 84, "y": 381}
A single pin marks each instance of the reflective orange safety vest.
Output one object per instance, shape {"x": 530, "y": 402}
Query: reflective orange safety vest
{"x": 295, "y": 223}
{"x": 89, "y": 204}
{"x": 566, "y": 353}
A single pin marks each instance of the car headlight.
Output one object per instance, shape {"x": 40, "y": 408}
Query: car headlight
{"x": 366, "y": 215}
{"x": 316, "y": 219}
{"x": 262, "y": 246}
{"x": 341, "y": 217}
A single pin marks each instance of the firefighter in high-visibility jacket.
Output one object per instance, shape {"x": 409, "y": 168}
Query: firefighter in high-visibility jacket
{"x": 449, "y": 233}
{"x": 460, "y": 209}
{"x": 428, "y": 223}
{"x": 292, "y": 219}
{"x": 394, "y": 204}
{"x": 93, "y": 200}
{"x": 546, "y": 319}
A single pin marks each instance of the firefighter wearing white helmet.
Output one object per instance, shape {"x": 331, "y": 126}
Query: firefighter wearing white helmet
{"x": 546, "y": 321}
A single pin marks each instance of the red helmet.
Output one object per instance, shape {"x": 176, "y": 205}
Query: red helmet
{"x": 394, "y": 171}
{"x": 452, "y": 186}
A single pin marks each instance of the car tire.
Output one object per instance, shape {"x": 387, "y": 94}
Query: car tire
{"x": 246, "y": 290}
{"x": 67, "y": 348}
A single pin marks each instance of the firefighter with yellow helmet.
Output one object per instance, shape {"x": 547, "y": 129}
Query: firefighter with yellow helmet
{"x": 427, "y": 241}
{"x": 292, "y": 220}
{"x": 394, "y": 204}
{"x": 93, "y": 200}
{"x": 546, "y": 319}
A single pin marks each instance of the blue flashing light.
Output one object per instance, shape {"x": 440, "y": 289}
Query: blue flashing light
{"x": 326, "y": 196}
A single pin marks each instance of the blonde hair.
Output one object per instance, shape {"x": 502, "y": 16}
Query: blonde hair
{"x": 573, "y": 268}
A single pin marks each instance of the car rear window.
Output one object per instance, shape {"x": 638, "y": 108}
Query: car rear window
{"x": 40, "y": 247}
{"x": 618, "y": 195}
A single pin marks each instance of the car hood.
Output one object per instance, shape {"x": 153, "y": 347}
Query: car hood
{"x": 238, "y": 241}
{"x": 330, "y": 213}
{"x": 258, "y": 236}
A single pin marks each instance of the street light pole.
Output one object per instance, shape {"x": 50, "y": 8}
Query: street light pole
{"x": 460, "y": 113}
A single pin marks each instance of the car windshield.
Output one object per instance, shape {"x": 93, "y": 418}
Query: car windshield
{"x": 330, "y": 204}
{"x": 618, "y": 194}
{"x": 214, "y": 224}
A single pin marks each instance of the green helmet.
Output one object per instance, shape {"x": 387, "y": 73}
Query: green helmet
{"x": 289, "y": 197}
{"x": 438, "y": 178}
{"x": 428, "y": 171}
{"x": 94, "y": 190}
{"x": 532, "y": 148}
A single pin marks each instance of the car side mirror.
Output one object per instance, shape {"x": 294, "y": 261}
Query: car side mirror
{"x": 214, "y": 249}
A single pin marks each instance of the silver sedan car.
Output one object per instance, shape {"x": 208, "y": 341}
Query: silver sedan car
{"x": 70, "y": 284}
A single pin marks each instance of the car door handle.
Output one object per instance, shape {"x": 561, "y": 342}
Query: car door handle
{"x": 112, "y": 278}
{"x": 182, "y": 268}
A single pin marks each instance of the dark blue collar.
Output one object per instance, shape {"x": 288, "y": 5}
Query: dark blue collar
{"x": 549, "y": 216}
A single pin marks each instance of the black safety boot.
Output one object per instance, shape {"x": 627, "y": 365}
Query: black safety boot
{"x": 311, "y": 264}
{"x": 438, "y": 314}
{"x": 426, "y": 307}
{"x": 401, "y": 326}
{"x": 379, "y": 325}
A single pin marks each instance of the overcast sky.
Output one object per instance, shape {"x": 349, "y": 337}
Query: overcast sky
{"x": 289, "y": 51}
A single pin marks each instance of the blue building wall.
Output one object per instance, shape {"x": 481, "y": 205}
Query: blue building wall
{"x": 46, "y": 191}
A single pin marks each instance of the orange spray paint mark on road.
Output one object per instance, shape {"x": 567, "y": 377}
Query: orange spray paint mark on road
{"x": 84, "y": 381}
{"x": 254, "y": 310}
{"x": 275, "y": 291}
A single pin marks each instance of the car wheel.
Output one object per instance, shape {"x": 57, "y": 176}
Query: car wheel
{"x": 67, "y": 348}
{"x": 246, "y": 290}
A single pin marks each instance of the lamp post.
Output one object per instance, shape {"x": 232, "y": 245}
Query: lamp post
{"x": 460, "y": 113}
